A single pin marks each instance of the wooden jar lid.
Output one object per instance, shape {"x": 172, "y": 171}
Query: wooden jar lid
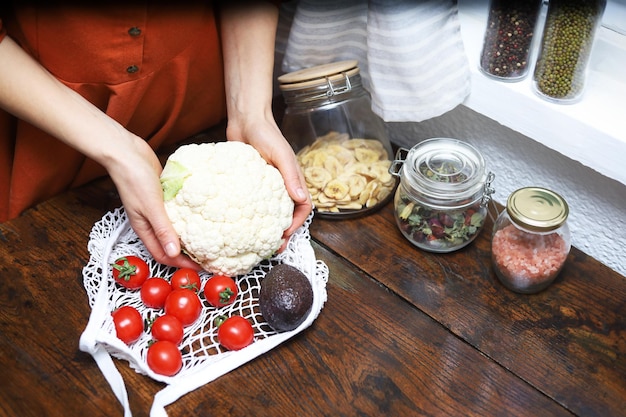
{"x": 318, "y": 75}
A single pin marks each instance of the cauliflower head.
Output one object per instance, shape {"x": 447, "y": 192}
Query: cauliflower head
{"x": 227, "y": 204}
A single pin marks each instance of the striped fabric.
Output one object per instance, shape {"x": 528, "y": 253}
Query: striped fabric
{"x": 410, "y": 52}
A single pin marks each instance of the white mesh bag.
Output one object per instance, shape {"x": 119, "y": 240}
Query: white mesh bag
{"x": 204, "y": 360}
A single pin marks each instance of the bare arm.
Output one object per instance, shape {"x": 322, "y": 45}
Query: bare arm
{"x": 31, "y": 93}
{"x": 248, "y": 30}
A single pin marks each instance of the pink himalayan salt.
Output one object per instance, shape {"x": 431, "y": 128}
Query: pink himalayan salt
{"x": 528, "y": 259}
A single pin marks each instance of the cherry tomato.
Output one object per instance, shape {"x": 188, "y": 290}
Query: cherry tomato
{"x": 164, "y": 358}
{"x": 235, "y": 332}
{"x": 167, "y": 327}
{"x": 184, "y": 304}
{"x": 130, "y": 271}
{"x": 220, "y": 290}
{"x": 186, "y": 278}
{"x": 128, "y": 324}
{"x": 154, "y": 291}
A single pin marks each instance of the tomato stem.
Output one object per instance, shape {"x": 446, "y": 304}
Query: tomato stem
{"x": 126, "y": 270}
{"x": 219, "y": 320}
{"x": 226, "y": 295}
{"x": 192, "y": 287}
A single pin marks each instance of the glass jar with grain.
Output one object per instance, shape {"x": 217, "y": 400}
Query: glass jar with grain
{"x": 566, "y": 46}
{"x": 531, "y": 240}
{"x": 508, "y": 39}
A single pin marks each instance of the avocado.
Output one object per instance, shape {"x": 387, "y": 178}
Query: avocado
{"x": 285, "y": 298}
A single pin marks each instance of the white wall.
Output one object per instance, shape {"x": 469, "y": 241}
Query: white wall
{"x": 597, "y": 204}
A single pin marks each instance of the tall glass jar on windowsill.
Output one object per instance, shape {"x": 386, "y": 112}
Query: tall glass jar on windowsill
{"x": 341, "y": 144}
{"x": 566, "y": 46}
{"x": 511, "y": 25}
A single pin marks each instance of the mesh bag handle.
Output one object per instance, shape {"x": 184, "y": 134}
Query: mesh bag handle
{"x": 204, "y": 359}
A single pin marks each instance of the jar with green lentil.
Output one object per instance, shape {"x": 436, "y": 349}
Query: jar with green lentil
{"x": 441, "y": 202}
{"x": 566, "y": 45}
{"x": 508, "y": 39}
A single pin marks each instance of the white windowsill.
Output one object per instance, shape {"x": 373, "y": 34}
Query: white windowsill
{"x": 592, "y": 131}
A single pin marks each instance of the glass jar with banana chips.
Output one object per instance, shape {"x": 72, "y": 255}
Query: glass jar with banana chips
{"x": 346, "y": 174}
{"x": 341, "y": 144}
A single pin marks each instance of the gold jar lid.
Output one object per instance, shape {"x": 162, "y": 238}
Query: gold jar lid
{"x": 537, "y": 209}
{"x": 335, "y": 72}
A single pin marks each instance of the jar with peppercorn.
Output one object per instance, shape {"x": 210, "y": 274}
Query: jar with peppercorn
{"x": 441, "y": 202}
{"x": 341, "y": 144}
{"x": 508, "y": 39}
{"x": 566, "y": 46}
{"x": 531, "y": 240}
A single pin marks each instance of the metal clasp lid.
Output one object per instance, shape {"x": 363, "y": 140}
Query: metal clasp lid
{"x": 396, "y": 164}
{"x": 488, "y": 189}
{"x": 332, "y": 91}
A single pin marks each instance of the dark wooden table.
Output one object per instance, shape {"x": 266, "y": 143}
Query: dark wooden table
{"x": 403, "y": 332}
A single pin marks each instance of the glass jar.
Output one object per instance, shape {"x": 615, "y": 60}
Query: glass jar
{"x": 441, "y": 202}
{"x": 507, "y": 43}
{"x": 566, "y": 45}
{"x": 341, "y": 144}
{"x": 531, "y": 240}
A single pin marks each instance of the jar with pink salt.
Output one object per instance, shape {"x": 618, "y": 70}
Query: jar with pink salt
{"x": 531, "y": 240}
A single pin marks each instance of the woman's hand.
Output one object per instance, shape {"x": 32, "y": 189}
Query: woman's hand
{"x": 248, "y": 35}
{"x": 136, "y": 177}
{"x": 26, "y": 88}
{"x": 265, "y": 136}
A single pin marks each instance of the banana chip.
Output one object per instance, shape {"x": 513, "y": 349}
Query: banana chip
{"x": 356, "y": 184}
{"x": 332, "y": 165}
{"x": 317, "y": 177}
{"x": 336, "y": 189}
{"x": 346, "y": 174}
{"x": 366, "y": 156}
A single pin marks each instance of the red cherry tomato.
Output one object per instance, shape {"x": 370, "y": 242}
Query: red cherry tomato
{"x": 235, "y": 332}
{"x": 184, "y": 304}
{"x": 128, "y": 324}
{"x": 130, "y": 271}
{"x": 167, "y": 327}
{"x": 220, "y": 290}
{"x": 186, "y": 278}
{"x": 164, "y": 358}
{"x": 154, "y": 291}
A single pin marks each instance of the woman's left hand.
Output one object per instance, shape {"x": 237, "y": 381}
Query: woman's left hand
{"x": 265, "y": 137}
{"x": 248, "y": 35}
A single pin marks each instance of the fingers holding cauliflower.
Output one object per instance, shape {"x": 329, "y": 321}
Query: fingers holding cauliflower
{"x": 227, "y": 204}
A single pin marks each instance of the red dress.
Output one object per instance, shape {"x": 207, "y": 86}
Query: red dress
{"x": 157, "y": 70}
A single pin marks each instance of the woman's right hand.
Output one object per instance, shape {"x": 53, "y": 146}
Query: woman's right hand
{"x": 136, "y": 177}
{"x": 26, "y": 88}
